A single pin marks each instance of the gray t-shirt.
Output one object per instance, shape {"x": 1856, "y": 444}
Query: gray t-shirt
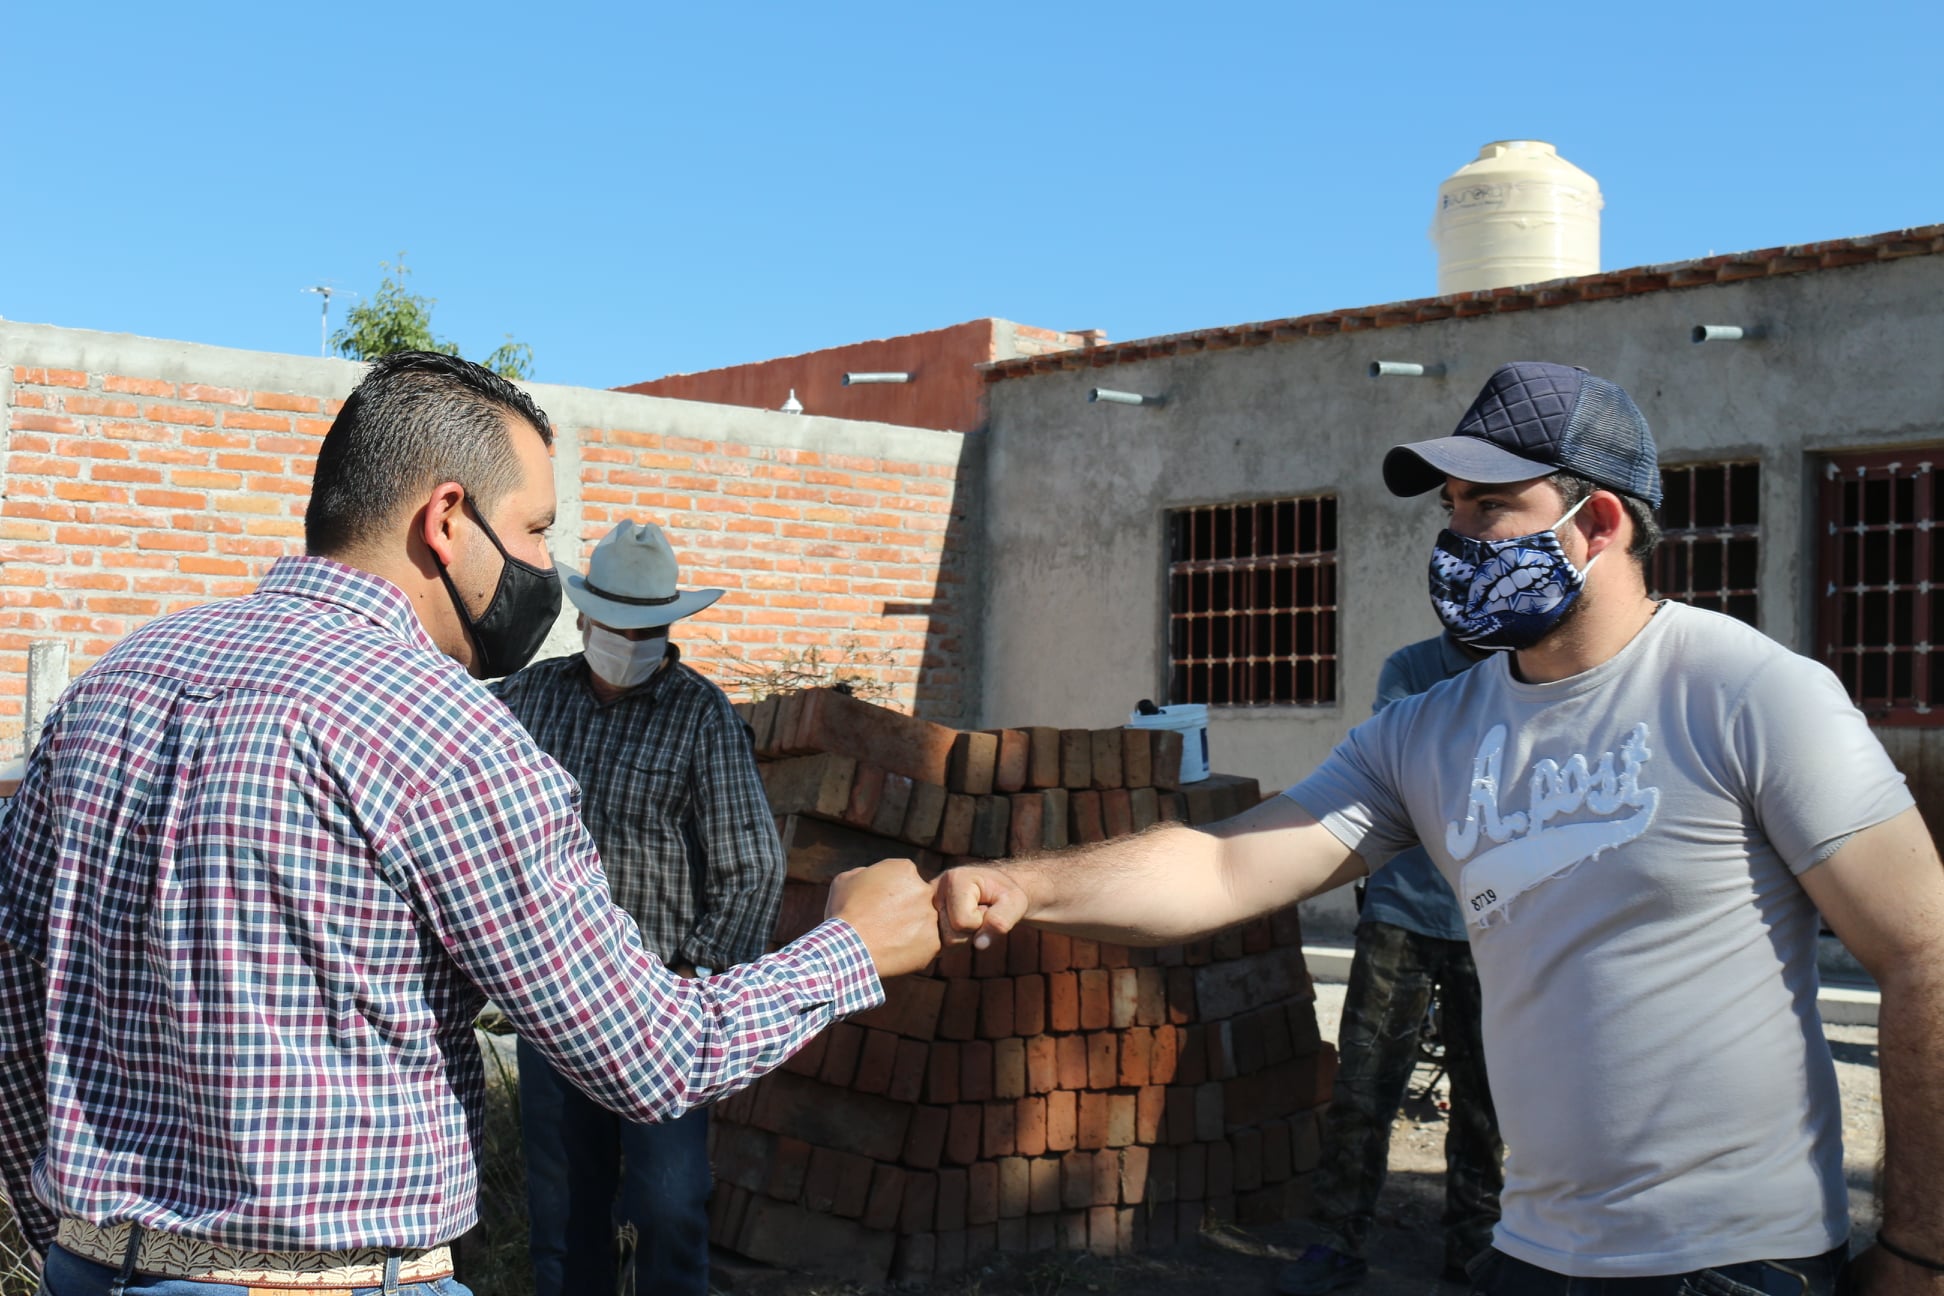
{"x": 1624, "y": 846}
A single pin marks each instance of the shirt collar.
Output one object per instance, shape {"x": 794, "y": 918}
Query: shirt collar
{"x": 325, "y": 580}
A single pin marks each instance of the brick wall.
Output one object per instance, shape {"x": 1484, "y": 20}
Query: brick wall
{"x": 141, "y": 477}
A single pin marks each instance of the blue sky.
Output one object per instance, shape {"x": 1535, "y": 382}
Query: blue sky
{"x": 642, "y": 189}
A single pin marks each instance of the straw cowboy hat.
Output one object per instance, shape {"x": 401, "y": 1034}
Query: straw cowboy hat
{"x": 630, "y": 581}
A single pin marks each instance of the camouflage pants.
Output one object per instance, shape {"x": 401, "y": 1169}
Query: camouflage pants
{"x": 1391, "y": 983}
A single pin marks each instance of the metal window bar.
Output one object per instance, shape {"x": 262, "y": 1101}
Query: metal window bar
{"x": 1711, "y": 528}
{"x": 1879, "y": 628}
{"x": 1252, "y": 603}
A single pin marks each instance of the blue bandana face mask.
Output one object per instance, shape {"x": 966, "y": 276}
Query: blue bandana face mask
{"x": 1504, "y": 594}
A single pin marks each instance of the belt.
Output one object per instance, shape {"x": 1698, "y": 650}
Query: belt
{"x": 169, "y": 1255}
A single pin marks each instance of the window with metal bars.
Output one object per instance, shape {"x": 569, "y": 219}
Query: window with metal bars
{"x": 1252, "y": 602}
{"x": 1880, "y": 625}
{"x": 1711, "y": 547}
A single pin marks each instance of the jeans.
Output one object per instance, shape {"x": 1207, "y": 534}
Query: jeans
{"x": 1384, "y": 1006}
{"x": 1498, "y": 1274}
{"x": 70, "y": 1275}
{"x": 614, "y": 1206}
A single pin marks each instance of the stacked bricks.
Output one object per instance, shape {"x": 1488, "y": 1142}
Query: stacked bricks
{"x": 1046, "y": 1092}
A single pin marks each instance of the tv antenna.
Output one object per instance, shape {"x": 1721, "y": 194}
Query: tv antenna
{"x": 325, "y": 292}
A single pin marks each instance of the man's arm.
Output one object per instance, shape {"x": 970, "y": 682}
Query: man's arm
{"x": 1167, "y": 884}
{"x": 1883, "y": 894}
{"x": 742, "y": 881}
{"x": 26, "y": 851}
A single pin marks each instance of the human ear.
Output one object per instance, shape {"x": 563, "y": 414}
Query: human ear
{"x": 438, "y": 519}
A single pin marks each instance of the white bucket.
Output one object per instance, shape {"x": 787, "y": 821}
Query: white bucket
{"x": 1190, "y": 719}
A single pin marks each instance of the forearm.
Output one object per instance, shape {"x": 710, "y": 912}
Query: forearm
{"x": 1910, "y": 1054}
{"x": 1154, "y": 888}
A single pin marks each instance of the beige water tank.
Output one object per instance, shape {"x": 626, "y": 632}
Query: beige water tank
{"x": 1517, "y": 214}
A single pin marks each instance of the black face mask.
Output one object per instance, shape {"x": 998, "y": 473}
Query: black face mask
{"x": 523, "y": 607}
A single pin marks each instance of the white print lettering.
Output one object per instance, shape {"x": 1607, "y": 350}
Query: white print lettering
{"x": 1531, "y": 848}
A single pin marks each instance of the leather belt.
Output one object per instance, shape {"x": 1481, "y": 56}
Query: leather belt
{"x": 169, "y": 1255}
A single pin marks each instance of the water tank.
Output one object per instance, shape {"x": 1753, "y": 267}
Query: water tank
{"x": 1516, "y": 214}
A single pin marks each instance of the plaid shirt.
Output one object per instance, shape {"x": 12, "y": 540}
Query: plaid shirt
{"x": 270, "y": 857}
{"x": 670, "y": 793}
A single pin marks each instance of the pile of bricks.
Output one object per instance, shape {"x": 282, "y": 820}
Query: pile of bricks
{"x": 1046, "y": 1092}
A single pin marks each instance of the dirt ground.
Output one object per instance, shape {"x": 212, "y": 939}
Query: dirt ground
{"x": 1405, "y": 1250}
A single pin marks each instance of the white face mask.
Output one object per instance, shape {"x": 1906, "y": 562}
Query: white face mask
{"x": 621, "y": 662}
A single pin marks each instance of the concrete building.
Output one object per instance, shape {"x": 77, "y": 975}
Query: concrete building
{"x": 1235, "y": 545}
{"x": 944, "y": 389}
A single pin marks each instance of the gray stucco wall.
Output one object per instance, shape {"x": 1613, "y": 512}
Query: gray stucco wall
{"x": 1075, "y": 599}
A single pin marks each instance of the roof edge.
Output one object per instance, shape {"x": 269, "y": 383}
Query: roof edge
{"x": 1733, "y": 267}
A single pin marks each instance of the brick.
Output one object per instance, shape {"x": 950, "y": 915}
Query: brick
{"x": 802, "y": 909}
{"x": 1229, "y": 988}
{"x": 942, "y": 1074}
{"x": 975, "y": 1071}
{"x": 991, "y": 961}
{"x": 1014, "y": 1235}
{"x": 912, "y": 1007}
{"x": 1124, "y": 996}
{"x": 1164, "y": 1043}
{"x": 1221, "y": 796}
{"x": 808, "y": 1060}
{"x": 1096, "y": 999}
{"x": 1104, "y": 1187}
{"x": 924, "y": 813}
{"x": 1257, "y": 936}
{"x": 1116, "y": 813}
{"x": 1150, "y": 1114}
{"x": 1105, "y": 759}
{"x": 1072, "y": 1061}
{"x": 1181, "y": 995}
{"x": 1115, "y": 956}
{"x": 1137, "y": 758}
{"x": 885, "y": 1200}
{"x": 970, "y": 766}
{"x": 832, "y": 722}
{"x": 999, "y": 1134}
{"x": 1009, "y": 1068}
{"x": 1245, "y": 1147}
{"x": 1122, "y": 1115}
{"x": 1062, "y": 1120}
{"x": 1076, "y": 758}
{"x": 954, "y": 962}
{"x": 867, "y": 789}
{"x": 1276, "y": 1163}
{"x": 1011, "y": 758}
{"x": 1043, "y": 757}
{"x": 781, "y": 1233}
{"x": 1076, "y": 1180}
{"x": 1084, "y": 824}
{"x": 1103, "y": 1060}
{"x": 924, "y": 1144}
{"x": 1161, "y": 1185}
{"x": 962, "y": 1134}
{"x": 1022, "y": 951}
{"x": 1029, "y": 1003}
{"x": 741, "y": 1155}
{"x": 818, "y": 785}
{"x": 1191, "y": 1172}
{"x": 1246, "y": 1032}
{"x": 996, "y": 1008}
{"x": 955, "y": 828}
{"x": 1073, "y": 1230}
{"x": 1083, "y": 954}
{"x": 953, "y": 1189}
{"x": 951, "y": 1251}
{"x": 1171, "y": 806}
{"x": 831, "y": 1117}
{"x": 1283, "y": 1090}
{"x": 1135, "y": 1045}
{"x": 959, "y": 1019}
{"x": 919, "y": 1211}
{"x": 1166, "y": 759}
{"x": 1042, "y": 1232}
{"x": 1103, "y": 1231}
{"x": 1143, "y": 808}
{"x": 917, "y": 1258}
{"x": 1043, "y": 1185}
{"x": 1063, "y": 1001}
{"x": 1042, "y": 1064}
{"x": 875, "y": 1062}
{"x": 851, "y": 1189}
{"x": 1133, "y": 1166}
{"x": 1029, "y": 1127}
{"x": 1191, "y": 1055}
{"x": 1286, "y": 924}
{"x": 991, "y": 827}
{"x": 908, "y": 1071}
{"x": 1055, "y": 819}
{"x": 1162, "y": 1235}
{"x": 982, "y": 1194}
{"x": 1055, "y": 952}
{"x": 1015, "y": 1187}
{"x": 1303, "y": 1036}
{"x": 1026, "y": 833}
{"x": 894, "y": 803}
{"x": 1221, "y": 1169}
{"x": 1218, "y": 1047}
{"x": 1091, "y": 1132}
{"x": 840, "y": 1058}
{"x": 1208, "y": 1111}
{"x": 1150, "y": 996}
{"x": 1305, "y": 1142}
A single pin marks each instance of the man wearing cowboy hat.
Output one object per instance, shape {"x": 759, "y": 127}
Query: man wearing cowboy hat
{"x": 670, "y": 793}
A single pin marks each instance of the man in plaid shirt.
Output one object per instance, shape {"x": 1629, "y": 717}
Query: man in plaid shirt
{"x": 272, "y": 855}
{"x": 670, "y": 793}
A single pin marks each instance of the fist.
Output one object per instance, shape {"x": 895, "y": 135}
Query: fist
{"x": 891, "y": 908}
{"x": 977, "y": 903}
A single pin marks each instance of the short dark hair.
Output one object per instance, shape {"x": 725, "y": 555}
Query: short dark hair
{"x": 418, "y": 418}
{"x": 1646, "y": 527}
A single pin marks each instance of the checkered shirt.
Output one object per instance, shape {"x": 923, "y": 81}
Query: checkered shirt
{"x": 270, "y": 857}
{"x": 670, "y": 793}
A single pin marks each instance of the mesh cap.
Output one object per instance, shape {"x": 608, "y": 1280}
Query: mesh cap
{"x": 1531, "y": 420}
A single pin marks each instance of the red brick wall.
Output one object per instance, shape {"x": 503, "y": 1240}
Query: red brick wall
{"x": 127, "y": 495}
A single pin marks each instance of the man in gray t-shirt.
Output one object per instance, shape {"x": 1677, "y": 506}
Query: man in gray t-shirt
{"x": 1640, "y": 807}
